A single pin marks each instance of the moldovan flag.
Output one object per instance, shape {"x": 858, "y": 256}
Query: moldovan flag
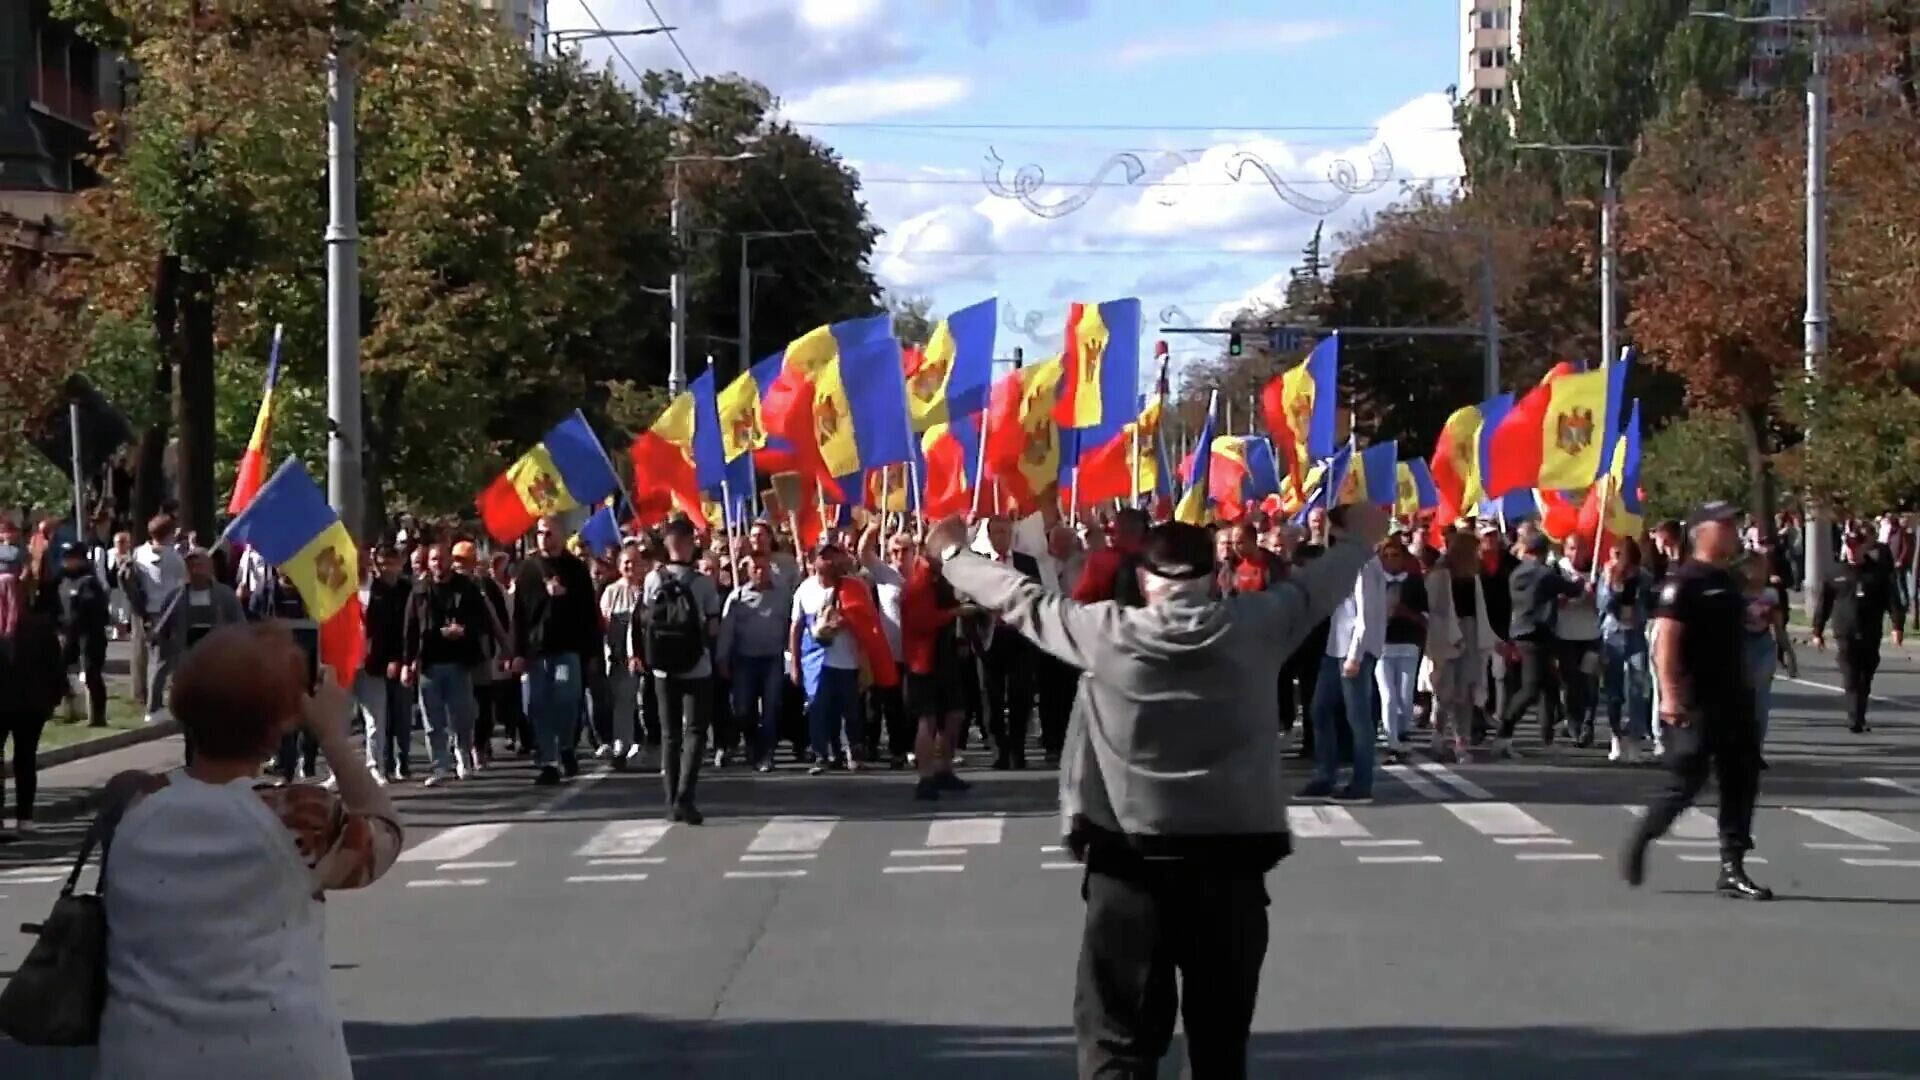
{"x": 1454, "y": 453}
{"x": 601, "y": 533}
{"x": 787, "y": 405}
{"x": 1023, "y": 439}
{"x": 253, "y": 463}
{"x": 1415, "y": 491}
{"x": 663, "y": 467}
{"x": 1104, "y": 339}
{"x": 860, "y": 410}
{"x": 951, "y": 467}
{"x": 1618, "y": 491}
{"x": 1556, "y": 437}
{"x": 290, "y": 524}
{"x": 951, "y": 377}
{"x": 1374, "y": 476}
{"x": 566, "y": 469}
{"x": 1299, "y": 406}
{"x": 1104, "y": 469}
{"x": 1492, "y": 412}
{"x": 1192, "y": 508}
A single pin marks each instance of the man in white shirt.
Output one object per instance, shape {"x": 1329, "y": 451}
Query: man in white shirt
{"x": 157, "y": 575}
{"x": 828, "y": 671}
{"x": 1356, "y": 639}
{"x": 888, "y": 576}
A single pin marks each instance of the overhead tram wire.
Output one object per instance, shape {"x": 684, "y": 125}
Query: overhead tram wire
{"x": 938, "y": 125}
{"x": 958, "y": 181}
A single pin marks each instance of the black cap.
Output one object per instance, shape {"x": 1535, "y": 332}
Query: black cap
{"x": 1179, "y": 551}
{"x": 71, "y": 550}
{"x": 1715, "y": 511}
{"x": 678, "y": 527}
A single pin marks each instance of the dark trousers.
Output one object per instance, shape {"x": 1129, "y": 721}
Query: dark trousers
{"x": 1726, "y": 745}
{"x": 492, "y": 698}
{"x": 1576, "y": 686}
{"x": 297, "y": 748}
{"x": 1144, "y": 926}
{"x": 89, "y": 653}
{"x": 23, "y": 731}
{"x": 1056, "y": 683}
{"x": 1009, "y": 672}
{"x": 887, "y": 711}
{"x": 1537, "y": 684}
{"x": 686, "y": 707}
{"x": 599, "y": 700}
{"x": 1858, "y": 660}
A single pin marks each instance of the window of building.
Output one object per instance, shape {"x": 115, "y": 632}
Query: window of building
{"x": 1486, "y": 58}
{"x": 1502, "y": 18}
{"x": 1500, "y": 56}
{"x": 1486, "y": 19}
{"x": 1486, "y": 96}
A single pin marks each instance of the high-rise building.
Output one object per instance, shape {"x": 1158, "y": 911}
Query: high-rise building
{"x": 527, "y": 19}
{"x": 52, "y": 83}
{"x": 1490, "y": 39}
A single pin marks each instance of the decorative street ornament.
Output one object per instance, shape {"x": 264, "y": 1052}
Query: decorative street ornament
{"x": 1342, "y": 174}
{"x": 1027, "y": 326}
{"x": 1176, "y": 317}
{"x": 1028, "y": 180}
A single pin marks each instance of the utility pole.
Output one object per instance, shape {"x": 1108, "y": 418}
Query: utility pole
{"x": 344, "y": 477}
{"x": 746, "y": 288}
{"x": 677, "y": 285}
{"x": 1609, "y": 200}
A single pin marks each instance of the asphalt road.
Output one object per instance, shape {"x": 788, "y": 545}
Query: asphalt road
{"x": 1471, "y": 923}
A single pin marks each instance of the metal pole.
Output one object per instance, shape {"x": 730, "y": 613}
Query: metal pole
{"x": 79, "y": 482}
{"x": 677, "y": 292}
{"x": 343, "y": 296}
{"x": 1608, "y": 324}
{"x": 1818, "y": 539}
{"x": 746, "y": 306}
{"x": 1489, "y": 321}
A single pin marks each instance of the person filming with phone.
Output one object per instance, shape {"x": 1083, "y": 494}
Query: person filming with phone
{"x": 1170, "y": 780}
{"x": 215, "y": 888}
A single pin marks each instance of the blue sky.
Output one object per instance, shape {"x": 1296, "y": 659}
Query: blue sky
{"x": 920, "y": 94}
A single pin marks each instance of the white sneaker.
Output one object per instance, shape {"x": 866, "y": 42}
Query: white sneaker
{"x": 460, "y": 769}
{"x": 1618, "y": 751}
{"x": 436, "y": 778}
{"x": 379, "y": 778}
{"x": 159, "y": 717}
{"x": 331, "y": 783}
{"x": 604, "y": 752}
{"x": 633, "y": 752}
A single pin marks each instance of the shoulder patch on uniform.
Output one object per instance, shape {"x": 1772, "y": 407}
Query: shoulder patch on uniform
{"x": 1670, "y": 592}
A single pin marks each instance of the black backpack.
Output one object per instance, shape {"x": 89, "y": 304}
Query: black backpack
{"x": 675, "y": 638}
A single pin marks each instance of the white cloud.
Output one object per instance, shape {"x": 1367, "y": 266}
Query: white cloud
{"x": 939, "y": 247}
{"x": 1232, "y": 35}
{"x": 873, "y": 99}
{"x": 835, "y": 14}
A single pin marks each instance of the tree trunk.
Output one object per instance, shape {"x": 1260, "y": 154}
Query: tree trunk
{"x": 149, "y": 478}
{"x": 196, "y": 420}
{"x": 1753, "y": 428}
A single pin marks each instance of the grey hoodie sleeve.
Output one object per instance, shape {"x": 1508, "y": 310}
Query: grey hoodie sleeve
{"x": 1060, "y": 626}
{"x": 1283, "y": 616}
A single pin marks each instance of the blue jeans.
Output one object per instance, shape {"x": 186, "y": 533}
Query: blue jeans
{"x": 1333, "y": 691}
{"x": 1763, "y": 659}
{"x": 834, "y": 707}
{"x": 1627, "y": 687}
{"x": 757, "y": 685}
{"x": 449, "y": 708}
{"x": 553, "y": 704}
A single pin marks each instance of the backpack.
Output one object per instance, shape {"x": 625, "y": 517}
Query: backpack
{"x": 675, "y": 636}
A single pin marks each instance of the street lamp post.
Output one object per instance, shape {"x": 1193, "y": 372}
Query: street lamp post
{"x": 1814, "y": 343}
{"x": 572, "y": 36}
{"x": 677, "y": 285}
{"x": 344, "y": 478}
{"x": 1609, "y": 199}
{"x": 746, "y": 287}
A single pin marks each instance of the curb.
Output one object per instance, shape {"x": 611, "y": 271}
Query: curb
{"x": 119, "y": 740}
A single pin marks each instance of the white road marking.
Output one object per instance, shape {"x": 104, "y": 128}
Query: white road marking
{"x": 16, "y": 872}
{"x": 1897, "y": 785}
{"x": 1453, "y": 780}
{"x": 1420, "y": 784}
{"x": 1052, "y": 849}
{"x": 581, "y": 878}
{"x": 1846, "y": 847}
{"x": 1380, "y": 843}
{"x": 1668, "y": 841}
{"x": 1832, "y": 689}
{"x": 625, "y": 838}
{"x": 966, "y": 832}
{"x": 783, "y": 856}
{"x": 1861, "y": 824}
{"x": 438, "y": 883}
{"x": 645, "y": 860}
{"x": 1512, "y": 840}
{"x": 792, "y": 834}
{"x": 766, "y": 873}
{"x": 1695, "y": 826}
{"x": 923, "y": 868}
{"x": 1908, "y": 863}
{"x": 925, "y": 853}
{"x": 455, "y": 843}
{"x": 1498, "y": 819}
{"x": 1059, "y": 866}
{"x": 574, "y": 789}
{"x": 508, "y": 865}
{"x": 1311, "y": 822}
{"x": 34, "y": 880}
{"x": 1382, "y": 860}
{"x": 1752, "y": 860}
{"x": 1556, "y": 856}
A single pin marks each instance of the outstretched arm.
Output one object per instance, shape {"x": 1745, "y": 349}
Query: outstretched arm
{"x": 1063, "y": 628}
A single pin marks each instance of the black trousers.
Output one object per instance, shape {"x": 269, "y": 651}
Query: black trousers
{"x": 1859, "y": 660}
{"x": 1537, "y": 684}
{"x": 89, "y": 653}
{"x": 686, "y": 708}
{"x": 1057, "y": 683}
{"x": 887, "y": 711}
{"x": 22, "y": 730}
{"x": 1725, "y": 744}
{"x": 1009, "y": 675}
{"x": 1147, "y": 925}
{"x": 1576, "y": 686}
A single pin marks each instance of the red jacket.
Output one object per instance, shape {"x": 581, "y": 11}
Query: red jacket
{"x": 923, "y": 618}
{"x": 1097, "y": 578}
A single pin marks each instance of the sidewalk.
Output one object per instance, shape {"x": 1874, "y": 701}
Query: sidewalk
{"x": 69, "y": 790}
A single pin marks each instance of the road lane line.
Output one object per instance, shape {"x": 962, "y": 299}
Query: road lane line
{"x": 1453, "y": 780}
{"x": 1860, "y": 824}
{"x": 926, "y": 853}
{"x": 923, "y": 868}
{"x": 625, "y": 838}
{"x": 506, "y": 865}
{"x": 33, "y": 871}
{"x": 1313, "y": 822}
{"x": 965, "y": 832}
{"x": 1421, "y": 785}
{"x": 644, "y": 860}
{"x": 789, "y": 835}
{"x": 455, "y": 843}
{"x": 1832, "y": 689}
{"x": 442, "y": 883}
{"x": 1556, "y": 856}
{"x": 1753, "y": 860}
{"x": 32, "y": 880}
{"x": 779, "y": 856}
{"x": 1498, "y": 819}
{"x": 1388, "y": 860}
{"x": 1513, "y": 840}
{"x": 575, "y": 788}
{"x": 1052, "y": 849}
{"x": 1695, "y": 826}
{"x": 766, "y": 873}
{"x": 1059, "y": 866}
{"x": 1379, "y": 843}
{"x": 584, "y": 878}
{"x": 1845, "y": 847}
{"x": 1909, "y": 863}
{"x": 1890, "y": 782}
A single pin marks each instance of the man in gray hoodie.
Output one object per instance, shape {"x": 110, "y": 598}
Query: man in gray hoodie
{"x": 1170, "y": 781}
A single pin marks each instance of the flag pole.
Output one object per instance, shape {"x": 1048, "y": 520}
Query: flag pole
{"x": 980, "y": 466}
{"x": 1600, "y": 527}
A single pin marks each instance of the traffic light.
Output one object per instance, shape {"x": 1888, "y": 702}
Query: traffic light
{"x": 1233, "y": 343}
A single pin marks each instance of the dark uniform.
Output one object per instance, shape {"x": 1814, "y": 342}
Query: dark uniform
{"x": 1857, "y": 598}
{"x": 1710, "y": 725}
{"x": 83, "y": 629}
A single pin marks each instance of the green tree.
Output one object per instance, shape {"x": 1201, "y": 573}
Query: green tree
{"x": 1869, "y": 459}
{"x": 1693, "y": 460}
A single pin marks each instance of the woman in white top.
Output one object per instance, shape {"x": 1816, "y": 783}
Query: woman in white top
{"x": 216, "y": 958}
{"x": 618, "y": 602}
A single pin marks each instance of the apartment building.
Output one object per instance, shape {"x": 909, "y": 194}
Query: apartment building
{"x": 1489, "y": 41}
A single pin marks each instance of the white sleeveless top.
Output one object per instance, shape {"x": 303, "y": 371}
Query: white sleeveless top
{"x": 216, "y": 954}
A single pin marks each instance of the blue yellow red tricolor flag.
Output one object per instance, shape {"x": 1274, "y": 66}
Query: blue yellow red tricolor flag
{"x": 1023, "y": 440}
{"x": 1454, "y": 453}
{"x": 601, "y": 532}
{"x": 1373, "y": 476}
{"x": 950, "y": 467}
{"x": 1113, "y": 380}
{"x": 566, "y": 469}
{"x": 1618, "y": 492}
{"x": 253, "y": 463}
{"x": 860, "y": 409}
{"x": 787, "y": 405}
{"x": 952, "y": 375}
{"x": 1415, "y": 492}
{"x": 664, "y": 476}
{"x": 291, "y": 526}
{"x": 1192, "y": 508}
{"x": 1557, "y": 435}
{"x": 1300, "y": 408}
